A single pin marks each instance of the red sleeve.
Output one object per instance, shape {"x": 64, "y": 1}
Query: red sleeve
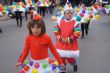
{"x": 54, "y": 51}
{"x": 25, "y": 51}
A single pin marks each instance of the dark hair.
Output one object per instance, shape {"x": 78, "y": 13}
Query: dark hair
{"x": 39, "y": 23}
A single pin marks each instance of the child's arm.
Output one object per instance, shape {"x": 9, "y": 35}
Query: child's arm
{"x": 25, "y": 51}
{"x": 56, "y": 31}
{"x": 54, "y": 51}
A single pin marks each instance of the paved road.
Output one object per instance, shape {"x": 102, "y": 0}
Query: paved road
{"x": 95, "y": 48}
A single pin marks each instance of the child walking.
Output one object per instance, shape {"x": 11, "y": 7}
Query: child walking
{"x": 84, "y": 25}
{"x": 66, "y": 35}
{"x": 37, "y": 44}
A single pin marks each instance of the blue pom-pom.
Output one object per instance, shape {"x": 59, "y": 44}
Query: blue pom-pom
{"x": 78, "y": 18}
{"x": 58, "y": 14}
{"x": 54, "y": 66}
{"x": 31, "y": 63}
{"x": 83, "y": 11}
{"x": 23, "y": 65}
{"x": 59, "y": 67}
{"x": 68, "y": 2}
{"x": 14, "y": 3}
{"x": 63, "y": 17}
{"x": 9, "y": 10}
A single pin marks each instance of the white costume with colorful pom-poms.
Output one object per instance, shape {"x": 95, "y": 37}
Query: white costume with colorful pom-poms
{"x": 40, "y": 66}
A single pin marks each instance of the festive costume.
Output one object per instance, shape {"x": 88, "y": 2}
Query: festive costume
{"x": 38, "y": 46}
{"x": 67, "y": 29}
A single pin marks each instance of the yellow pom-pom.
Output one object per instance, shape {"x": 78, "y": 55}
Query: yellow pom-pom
{"x": 54, "y": 18}
{"x": 4, "y": 11}
{"x": 97, "y": 17}
{"x": 78, "y": 9}
{"x": 12, "y": 6}
{"x": 60, "y": 8}
{"x": 20, "y": 3}
{"x": 56, "y": 63}
{"x": 34, "y": 71}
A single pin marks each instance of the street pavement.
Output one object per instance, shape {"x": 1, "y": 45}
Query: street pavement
{"x": 94, "y": 48}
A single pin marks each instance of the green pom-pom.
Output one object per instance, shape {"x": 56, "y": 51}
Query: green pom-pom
{"x": 44, "y": 65}
{"x": 26, "y": 62}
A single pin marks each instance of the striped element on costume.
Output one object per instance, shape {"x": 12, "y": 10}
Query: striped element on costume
{"x": 77, "y": 29}
{"x": 70, "y": 40}
{"x": 55, "y": 29}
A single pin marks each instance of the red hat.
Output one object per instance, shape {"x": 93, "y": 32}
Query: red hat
{"x": 37, "y": 17}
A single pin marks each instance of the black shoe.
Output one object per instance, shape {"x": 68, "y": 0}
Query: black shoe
{"x": 82, "y": 37}
{"x": 75, "y": 67}
{"x": 20, "y": 24}
{"x": 86, "y": 33}
{"x": 0, "y": 30}
{"x": 17, "y": 24}
{"x": 62, "y": 72}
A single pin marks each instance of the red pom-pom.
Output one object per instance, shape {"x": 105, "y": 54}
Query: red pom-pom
{"x": 1, "y": 9}
{"x": 26, "y": 68}
{"x": 50, "y": 60}
{"x": 81, "y": 14}
{"x": 31, "y": 12}
{"x": 37, "y": 17}
{"x": 90, "y": 16}
{"x": 23, "y": 6}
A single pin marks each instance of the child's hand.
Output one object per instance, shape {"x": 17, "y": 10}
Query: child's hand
{"x": 77, "y": 34}
{"x": 58, "y": 37}
{"x": 64, "y": 40}
{"x": 17, "y": 65}
{"x": 63, "y": 66}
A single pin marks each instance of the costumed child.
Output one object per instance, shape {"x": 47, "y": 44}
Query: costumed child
{"x": 37, "y": 44}
{"x": 66, "y": 38}
{"x": 18, "y": 10}
{"x": 42, "y": 6}
{"x": 88, "y": 14}
{"x": 84, "y": 24}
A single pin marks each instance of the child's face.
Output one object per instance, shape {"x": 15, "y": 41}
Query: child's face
{"x": 83, "y": 5}
{"x": 35, "y": 30}
{"x": 69, "y": 14}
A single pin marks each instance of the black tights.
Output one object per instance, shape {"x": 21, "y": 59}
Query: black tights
{"x": 18, "y": 15}
{"x": 42, "y": 10}
{"x": 84, "y": 28}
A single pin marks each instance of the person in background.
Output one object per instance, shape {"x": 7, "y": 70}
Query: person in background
{"x": 84, "y": 25}
{"x": 18, "y": 16}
